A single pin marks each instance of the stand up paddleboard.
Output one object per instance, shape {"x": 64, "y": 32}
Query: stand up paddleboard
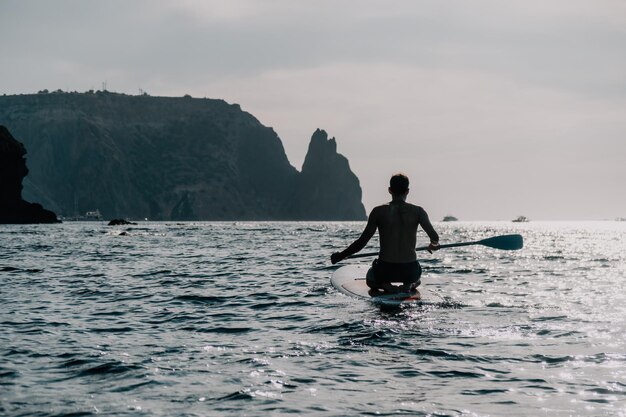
{"x": 350, "y": 280}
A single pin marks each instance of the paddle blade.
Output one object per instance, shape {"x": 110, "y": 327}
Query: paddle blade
{"x": 506, "y": 242}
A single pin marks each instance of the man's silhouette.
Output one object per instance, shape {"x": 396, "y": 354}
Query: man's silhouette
{"x": 397, "y": 223}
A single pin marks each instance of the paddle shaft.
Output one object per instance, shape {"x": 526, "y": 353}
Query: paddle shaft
{"x": 448, "y": 245}
{"x": 507, "y": 242}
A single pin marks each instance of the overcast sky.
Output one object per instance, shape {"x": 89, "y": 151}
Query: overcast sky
{"x": 493, "y": 108}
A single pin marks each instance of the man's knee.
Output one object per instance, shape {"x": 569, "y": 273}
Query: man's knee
{"x": 370, "y": 278}
{"x": 412, "y": 284}
{"x": 415, "y": 280}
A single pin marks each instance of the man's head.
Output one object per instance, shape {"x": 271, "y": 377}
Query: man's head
{"x": 399, "y": 184}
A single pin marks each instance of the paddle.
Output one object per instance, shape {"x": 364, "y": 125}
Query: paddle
{"x": 504, "y": 242}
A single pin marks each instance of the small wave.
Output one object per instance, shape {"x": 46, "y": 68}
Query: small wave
{"x": 133, "y": 387}
{"x": 604, "y": 357}
{"x": 87, "y": 293}
{"x": 311, "y": 229}
{"x": 226, "y": 330}
{"x": 410, "y": 373}
{"x": 14, "y": 269}
{"x": 486, "y": 392}
{"x": 235, "y": 396}
{"x": 541, "y": 387}
{"x": 202, "y": 299}
{"x": 455, "y": 374}
{"x": 334, "y": 328}
{"x": 131, "y": 296}
{"x": 606, "y": 391}
{"x": 263, "y": 306}
{"x": 163, "y": 317}
{"x": 75, "y": 362}
{"x": 327, "y": 268}
{"x": 557, "y": 333}
{"x": 111, "y": 329}
{"x": 364, "y": 338}
{"x": 467, "y": 271}
{"x": 16, "y": 352}
{"x": 71, "y": 414}
{"x": 152, "y": 273}
{"x": 597, "y": 400}
{"x": 86, "y": 275}
{"x": 6, "y": 375}
{"x": 550, "y": 318}
{"x": 602, "y": 260}
{"x": 109, "y": 313}
{"x": 108, "y": 368}
{"x": 40, "y": 247}
{"x": 552, "y": 360}
{"x": 437, "y": 353}
{"x": 496, "y": 371}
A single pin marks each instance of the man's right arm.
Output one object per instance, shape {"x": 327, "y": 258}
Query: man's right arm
{"x": 360, "y": 243}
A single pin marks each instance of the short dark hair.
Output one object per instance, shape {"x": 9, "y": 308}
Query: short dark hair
{"x": 399, "y": 184}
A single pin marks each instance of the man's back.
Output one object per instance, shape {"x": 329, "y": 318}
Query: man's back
{"x": 397, "y": 224}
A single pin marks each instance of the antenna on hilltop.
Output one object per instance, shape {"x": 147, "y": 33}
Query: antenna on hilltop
{"x": 104, "y": 85}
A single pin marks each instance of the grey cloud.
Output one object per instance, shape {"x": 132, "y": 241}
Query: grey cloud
{"x": 565, "y": 52}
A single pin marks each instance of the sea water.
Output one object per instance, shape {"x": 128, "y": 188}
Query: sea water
{"x": 240, "y": 319}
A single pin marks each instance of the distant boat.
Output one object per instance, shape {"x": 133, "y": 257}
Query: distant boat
{"x": 93, "y": 215}
{"x": 450, "y": 219}
{"x": 621, "y": 219}
{"x": 521, "y": 219}
{"x": 88, "y": 216}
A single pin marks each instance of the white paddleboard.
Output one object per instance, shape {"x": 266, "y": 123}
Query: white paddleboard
{"x": 350, "y": 280}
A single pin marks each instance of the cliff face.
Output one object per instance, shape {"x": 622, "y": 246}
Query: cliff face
{"x": 328, "y": 188}
{"x": 162, "y": 158}
{"x": 12, "y": 171}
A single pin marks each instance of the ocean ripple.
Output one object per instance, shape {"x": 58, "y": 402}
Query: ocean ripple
{"x": 239, "y": 318}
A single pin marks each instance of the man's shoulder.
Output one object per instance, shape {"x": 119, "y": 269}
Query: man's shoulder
{"x": 378, "y": 210}
{"x": 384, "y": 208}
{"x": 416, "y": 210}
{"x": 414, "y": 207}
{"x": 405, "y": 204}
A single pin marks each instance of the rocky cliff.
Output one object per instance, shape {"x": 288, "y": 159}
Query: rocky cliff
{"x": 168, "y": 158}
{"x": 13, "y": 209}
{"x": 328, "y": 188}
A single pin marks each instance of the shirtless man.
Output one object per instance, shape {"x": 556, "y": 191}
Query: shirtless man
{"x": 397, "y": 224}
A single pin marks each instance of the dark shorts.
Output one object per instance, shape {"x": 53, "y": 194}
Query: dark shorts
{"x": 388, "y": 272}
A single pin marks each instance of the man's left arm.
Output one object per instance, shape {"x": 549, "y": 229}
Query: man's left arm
{"x": 358, "y": 244}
